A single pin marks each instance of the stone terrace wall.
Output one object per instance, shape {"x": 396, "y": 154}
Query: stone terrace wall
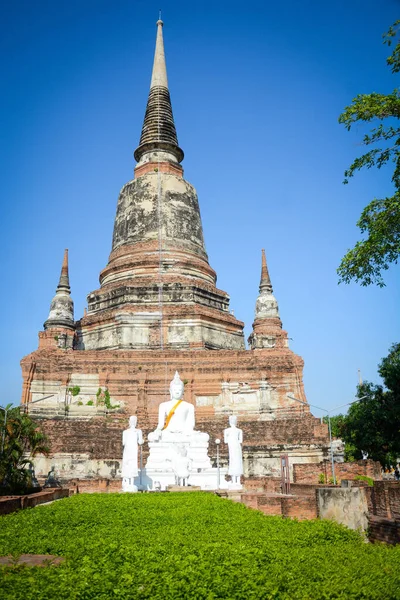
{"x": 102, "y": 437}
{"x": 309, "y": 473}
{"x": 347, "y": 506}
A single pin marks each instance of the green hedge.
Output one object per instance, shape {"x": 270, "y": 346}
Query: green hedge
{"x": 193, "y": 545}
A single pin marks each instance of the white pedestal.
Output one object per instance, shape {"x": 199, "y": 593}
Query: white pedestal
{"x": 159, "y": 472}
{"x": 207, "y": 479}
{"x": 129, "y": 484}
{"x": 234, "y": 486}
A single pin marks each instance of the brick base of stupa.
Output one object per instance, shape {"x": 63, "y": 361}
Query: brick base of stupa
{"x": 85, "y": 439}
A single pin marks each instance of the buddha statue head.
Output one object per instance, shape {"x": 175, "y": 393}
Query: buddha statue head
{"x": 233, "y": 420}
{"x": 133, "y": 422}
{"x": 176, "y": 387}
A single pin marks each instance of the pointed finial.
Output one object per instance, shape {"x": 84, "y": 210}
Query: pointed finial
{"x": 63, "y": 284}
{"x": 265, "y": 281}
{"x": 176, "y": 377}
{"x": 159, "y": 75}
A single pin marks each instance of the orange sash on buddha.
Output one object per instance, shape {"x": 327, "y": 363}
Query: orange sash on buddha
{"x": 171, "y": 414}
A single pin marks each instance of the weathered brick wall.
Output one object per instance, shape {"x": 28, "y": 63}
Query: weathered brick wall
{"x": 90, "y": 486}
{"x": 394, "y": 500}
{"x": 384, "y": 499}
{"x": 269, "y": 505}
{"x": 300, "y": 507}
{"x": 384, "y": 511}
{"x": 309, "y": 473}
{"x": 305, "y": 489}
{"x": 263, "y": 484}
{"x": 140, "y": 378}
{"x": 101, "y": 438}
{"x": 383, "y": 530}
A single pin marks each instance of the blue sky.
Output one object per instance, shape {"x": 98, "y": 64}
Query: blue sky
{"x": 256, "y": 90}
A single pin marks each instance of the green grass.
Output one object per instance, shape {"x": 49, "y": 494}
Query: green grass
{"x": 188, "y": 546}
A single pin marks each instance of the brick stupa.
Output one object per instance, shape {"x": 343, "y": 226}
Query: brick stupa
{"x": 158, "y": 310}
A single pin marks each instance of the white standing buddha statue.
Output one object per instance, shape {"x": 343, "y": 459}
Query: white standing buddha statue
{"x": 131, "y": 440}
{"x": 233, "y": 436}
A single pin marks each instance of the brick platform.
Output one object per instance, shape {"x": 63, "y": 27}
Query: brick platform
{"x": 309, "y": 473}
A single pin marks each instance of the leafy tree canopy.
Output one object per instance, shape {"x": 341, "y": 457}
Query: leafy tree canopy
{"x": 373, "y": 424}
{"x": 380, "y": 219}
{"x": 20, "y": 440}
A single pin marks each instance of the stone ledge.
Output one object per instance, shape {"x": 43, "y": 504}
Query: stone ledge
{"x": 9, "y": 504}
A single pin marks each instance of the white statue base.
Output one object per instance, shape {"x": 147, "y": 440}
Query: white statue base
{"x": 181, "y": 460}
{"x": 128, "y": 484}
{"x": 234, "y": 486}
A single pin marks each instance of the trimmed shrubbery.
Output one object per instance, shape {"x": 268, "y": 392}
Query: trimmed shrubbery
{"x": 192, "y": 545}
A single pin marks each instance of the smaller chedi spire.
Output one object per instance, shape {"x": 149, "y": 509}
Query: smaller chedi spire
{"x": 266, "y": 305}
{"x": 265, "y": 281}
{"x": 267, "y": 327}
{"x": 63, "y": 284}
{"x": 62, "y": 307}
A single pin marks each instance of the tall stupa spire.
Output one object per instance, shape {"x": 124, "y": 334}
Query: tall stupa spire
{"x": 158, "y": 289}
{"x": 158, "y": 131}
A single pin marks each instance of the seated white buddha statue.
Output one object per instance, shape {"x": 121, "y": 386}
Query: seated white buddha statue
{"x": 176, "y": 417}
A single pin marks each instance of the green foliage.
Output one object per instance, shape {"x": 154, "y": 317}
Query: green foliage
{"x": 369, "y": 480}
{"x": 336, "y": 424}
{"x": 75, "y": 390}
{"x": 182, "y": 546}
{"x": 373, "y": 424}
{"x": 103, "y": 398}
{"x": 22, "y": 441}
{"x": 380, "y": 219}
{"x": 80, "y": 403}
{"x": 321, "y": 478}
{"x": 90, "y": 403}
{"x": 337, "y": 427}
